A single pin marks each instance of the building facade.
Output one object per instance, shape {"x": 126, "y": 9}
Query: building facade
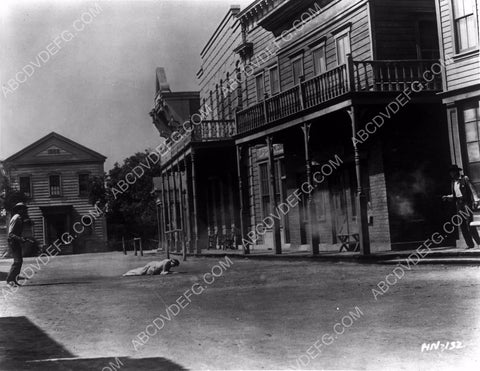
{"x": 195, "y": 190}
{"x": 342, "y": 96}
{"x": 54, "y": 173}
{"x": 458, "y": 25}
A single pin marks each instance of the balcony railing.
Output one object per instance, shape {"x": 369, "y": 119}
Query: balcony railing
{"x": 355, "y": 76}
{"x": 205, "y": 131}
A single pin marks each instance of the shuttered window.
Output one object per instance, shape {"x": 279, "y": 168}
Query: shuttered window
{"x": 25, "y": 186}
{"x": 471, "y": 119}
{"x": 54, "y": 182}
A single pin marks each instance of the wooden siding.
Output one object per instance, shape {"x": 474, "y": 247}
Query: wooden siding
{"x": 464, "y": 71}
{"x": 318, "y": 28}
{"x": 218, "y": 59}
{"x": 69, "y": 193}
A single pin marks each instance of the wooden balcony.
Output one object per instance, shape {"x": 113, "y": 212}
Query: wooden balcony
{"x": 206, "y": 131}
{"x": 353, "y": 77}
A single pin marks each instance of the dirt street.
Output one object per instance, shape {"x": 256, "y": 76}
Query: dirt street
{"x": 79, "y": 313}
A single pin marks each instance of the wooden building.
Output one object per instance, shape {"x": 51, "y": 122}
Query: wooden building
{"x": 458, "y": 25}
{"x": 314, "y": 76}
{"x": 198, "y": 171}
{"x": 54, "y": 173}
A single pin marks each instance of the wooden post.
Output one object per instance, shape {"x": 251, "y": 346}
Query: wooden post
{"x": 164, "y": 220}
{"x": 188, "y": 220}
{"x": 277, "y": 240}
{"x": 197, "y": 248}
{"x": 170, "y": 216}
{"x": 141, "y": 247}
{"x": 231, "y": 212}
{"x": 361, "y": 198}
{"x": 182, "y": 213}
{"x": 243, "y": 208}
{"x": 134, "y": 246}
{"x": 314, "y": 238}
{"x": 123, "y": 246}
{"x": 175, "y": 209}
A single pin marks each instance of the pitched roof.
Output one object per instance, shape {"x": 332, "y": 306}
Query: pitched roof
{"x": 60, "y": 138}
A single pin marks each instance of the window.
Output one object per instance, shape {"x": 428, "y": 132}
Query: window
{"x": 464, "y": 20}
{"x": 265, "y": 184}
{"x": 54, "y": 181}
{"x": 274, "y": 81}
{"x": 25, "y": 185}
{"x": 319, "y": 62}
{"x": 342, "y": 44}
{"x": 54, "y": 151}
{"x": 260, "y": 85}
{"x": 264, "y": 188}
{"x": 297, "y": 70}
{"x": 83, "y": 184}
{"x": 471, "y": 119}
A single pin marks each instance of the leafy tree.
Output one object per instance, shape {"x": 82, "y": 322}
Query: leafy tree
{"x": 132, "y": 211}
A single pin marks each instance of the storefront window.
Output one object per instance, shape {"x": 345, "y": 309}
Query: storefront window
{"x": 471, "y": 119}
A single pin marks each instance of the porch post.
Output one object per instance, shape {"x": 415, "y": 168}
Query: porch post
{"x": 243, "y": 207}
{"x": 182, "y": 213}
{"x": 196, "y": 247}
{"x": 168, "y": 226}
{"x": 277, "y": 240}
{"x": 361, "y": 198}
{"x": 175, "y": 207}
{"x": 188, "y": 219}
{"x": 163, "y": 224}
{"x": 312, "y": 215}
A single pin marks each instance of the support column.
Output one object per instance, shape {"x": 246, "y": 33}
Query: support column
{"x": 182, "y": 213}
{"x": 168, "y": 226}
{"x": 162, "y": 213}
{"x": 277, "y": 240}
{"x": 242, "y": 185}
{"x": 188, "y": 219}
{"x": 312, "y": 214}
{"x": 361, "y": 196}
{"x": 175, "y": 209}
{"x": 197, "y": 248}
{"x": 231, "y": 203}
{"x": 223, "y": 216}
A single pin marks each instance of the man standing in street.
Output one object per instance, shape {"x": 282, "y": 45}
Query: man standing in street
{"x": 466, "y": 200}
{"x": 15, "y": 239}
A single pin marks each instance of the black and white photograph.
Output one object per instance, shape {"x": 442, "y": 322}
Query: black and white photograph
{"x": 239, "y": 185}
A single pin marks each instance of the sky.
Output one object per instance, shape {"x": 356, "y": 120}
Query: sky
{"x": 86, "y": 69}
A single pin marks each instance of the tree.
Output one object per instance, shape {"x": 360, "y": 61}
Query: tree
{"x": 133, "y": 210}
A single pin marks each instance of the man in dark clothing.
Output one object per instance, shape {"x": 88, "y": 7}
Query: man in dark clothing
{"x": 15, "y": 239}
{"x": 466, "y": 200}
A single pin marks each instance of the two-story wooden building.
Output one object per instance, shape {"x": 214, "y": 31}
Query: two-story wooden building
{"x": 195, "y": 190}
{"x": 356, "y": 80}
{"x": 54, "y": 173}
{"x": 458, "y": 25}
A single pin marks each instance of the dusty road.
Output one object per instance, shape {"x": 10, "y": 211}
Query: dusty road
{"x": 78, "y": 313}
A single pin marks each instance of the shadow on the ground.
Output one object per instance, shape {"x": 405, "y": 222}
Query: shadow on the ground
{"x": 57, "y": 283}
{"x": 24, "y": 346}
{"x": 88, "y": 364}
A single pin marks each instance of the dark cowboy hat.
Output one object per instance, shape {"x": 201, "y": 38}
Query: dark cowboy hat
{"x": 19, "y": 206}
{"x": 454, "y": 168}
{"x": 175, "y": 261}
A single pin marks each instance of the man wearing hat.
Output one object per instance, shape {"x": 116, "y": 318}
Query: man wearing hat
{"x": 466, "y": 199}
{"x": 15, "y": 229}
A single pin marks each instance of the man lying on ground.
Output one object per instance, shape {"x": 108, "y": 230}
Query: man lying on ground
{"x": 154, "y": 267}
